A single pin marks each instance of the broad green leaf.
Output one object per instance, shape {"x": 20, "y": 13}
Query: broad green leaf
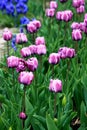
{"x": 50, "y": 123}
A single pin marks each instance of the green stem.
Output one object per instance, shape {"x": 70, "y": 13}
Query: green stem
{"x": 33, "y": 38}
{"x": 24, "y": 94}
{"x": 55, "y": 104}
{"x": 7, "y": 49}
{"x": 44, "y": 5}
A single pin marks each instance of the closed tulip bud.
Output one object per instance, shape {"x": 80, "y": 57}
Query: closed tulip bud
{"x": 22, "y": 116}
{"x": 56, "y": 120}
{"x": 40, "y": 41}
{"x": 7, "y": 34}
{"x": 12, "y": 61}
{"x": 53, "y": 4}
{"x": 55, "y": 85}
{"x": 10, "y": 128}
{"x": 25, "y": 77}
{"x": 32, "y": 63}
{"x": 21, "y": 38}
{"x": 64, "y": 101}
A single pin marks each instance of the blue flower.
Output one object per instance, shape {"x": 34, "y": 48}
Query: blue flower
{"x": 13, "y": 43}
{"x": 25, "y": 1}
{"x": 21, "y": 8}
{"x": 10, "y": 9}
{"x": 2, "y": 5}
{"x": 21, "y": 30}
{"x": 24, "y": 20}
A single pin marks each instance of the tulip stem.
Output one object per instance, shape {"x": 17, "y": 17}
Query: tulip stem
{"x": 7, "y": 49}
{"x": 33, "y": 38}
{"x": 54, "y": 104}
{"x": 76, "y": 48}
{"x": 24, "y": 94}
{"x": 44, "y": 5}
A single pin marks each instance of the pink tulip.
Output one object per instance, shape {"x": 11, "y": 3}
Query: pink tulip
{"x": 85, "y": 16}
{"x": 22, "y": 115}
{"x": 41, "y": 49}
{"x": 32, "y": 63}
{"x": 63, "y": 52}
{"x": 40, "y": 41}
{"x": 78, "y": 3}
{"x": 50, "y": 12}
{"x": 70, "y": 53}
{"x": 31, "y": 27}
{"x": 53, "y": 4}
{"x": 54, "y": 58}
{"x": 80, "y": 9}
{"x": 25, "y": 52}
{"x": 75, "y": 25}
{"x": 21, "y": 38}
{"x": 7, "y": 34}
{"x": 37, "y": 23}
{"x": 58, "y": 15}
{"x": 85, "y": 21}
{"x": 25, "y": 77}
{"x": 33, "y": 49}
{"x": 21, "y": 65}
{"x": 65, "y": 17}
{"x": 66, "y": 52}
{"x": 55, "y": 85}
{"x": 12, "y": 61}
{"x": 76, "y": 34}
{"x": 82, "y": 26}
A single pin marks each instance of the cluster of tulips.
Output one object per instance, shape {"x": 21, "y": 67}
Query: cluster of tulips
{"x": 79, "y": 5}
{"x": 28, "y": 62}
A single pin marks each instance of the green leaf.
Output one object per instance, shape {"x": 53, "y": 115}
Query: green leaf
{"x": 83, "y": 116}
{"x": 50, "y": 123}
{"x": 29, "y": 107}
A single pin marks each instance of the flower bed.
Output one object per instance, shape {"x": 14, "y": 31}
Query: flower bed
{"x": 43, "y": 74}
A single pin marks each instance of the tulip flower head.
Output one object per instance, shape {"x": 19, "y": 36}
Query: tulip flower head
{"x": 25, "y": 52}
{"x": 76, "y": 34}
{"x": 21, "y": 38}
{"x": 53, "y": 4}
{"x": 25, "y": 77}
{"x": 50, "y": 12}
{"x": 55, "y": 85}
{"x": 54, "y": 58}
{"x": 21, "y": 65}
{"x": 12, "y": 61}
{"x": 32, "y": 63}
{"x": 40, "y": 41}
{"x": 7, "y": 34}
